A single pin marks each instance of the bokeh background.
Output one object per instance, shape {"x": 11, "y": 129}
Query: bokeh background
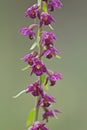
{"x": 71, "y": 93}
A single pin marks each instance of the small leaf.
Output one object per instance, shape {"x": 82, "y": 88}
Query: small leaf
{"x": 45, "y": 7}
{"x": 35, "y": 43}
{"x": 39, "y": 2}
{"x": 25, "y": 68}
{"x": 30, "y": 117}
{"x": 51, "y": 27}
{"x": 57, "y": 56}
{"x": 43, "y": 79}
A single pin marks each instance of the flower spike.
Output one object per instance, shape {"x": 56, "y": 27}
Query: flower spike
{"x": 43, "y": 46}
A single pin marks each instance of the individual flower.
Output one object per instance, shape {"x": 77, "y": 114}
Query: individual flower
{"x": 38, "y": 68}
{"x": 35, "y": 89}
{"x": 46, "y": 19}
{"x": 50, "y": 113}
{"x": 30, "y": 59}
{"x": 50, "y": 52}
{"x": 54, "y": 4}
{"x": 47, "y": 38}
{"x": 27, "y": 32}
{"x": 38, "y": 126}
{"x": 46, "y": 100}
{"x": 53, "y": 78}
{"x": 32, "y": 11}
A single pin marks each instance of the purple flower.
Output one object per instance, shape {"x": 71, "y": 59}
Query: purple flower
{"x": 50, "y": 52}
{"x": 53, "y": 78}
{"x": 38, "y": 126}
{"x": 27, "y": 32}
{"x": 46, "y": 100}
{"x": 50, "y": 113}
{"x": 46, "y": 19}
{"x": 54, "y": 4}
{"x": 35, "y": 89}
{"x": 47, "y": 38}
{"x": 30, "y": 59}
{"x": 32, "y": 11}
{"x": 38, "y": 68}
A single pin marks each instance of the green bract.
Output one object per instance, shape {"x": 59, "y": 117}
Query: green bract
{"x": 31, "y": 116}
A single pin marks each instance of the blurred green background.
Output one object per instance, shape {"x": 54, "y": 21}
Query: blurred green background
{"x": 71, "y": 93}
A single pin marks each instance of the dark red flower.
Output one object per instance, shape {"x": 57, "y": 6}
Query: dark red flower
{"x": 35, "y": 89}
{"x": 53, "y": 78}
{"x": 38, "y": 126}
{"x": 50, "y": 52}
{"x": 54, "y": 4}
{"x": 30, "y": 59}
{"x": 46, "y": 100}
{"x": 32, "y": 12}
{"x": 50, "y": 113}
{"x": 38, "y": 68}
{"x": 46, "y": 19}
{"x": 47, "y": 38}
{"x": 27, "y": 32}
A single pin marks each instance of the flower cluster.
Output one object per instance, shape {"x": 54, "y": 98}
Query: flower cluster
{"x": 44, "y": 41}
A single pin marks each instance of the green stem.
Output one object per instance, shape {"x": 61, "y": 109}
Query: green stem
{"x": 40, "y": 49}
{"x": 36, "y": 109}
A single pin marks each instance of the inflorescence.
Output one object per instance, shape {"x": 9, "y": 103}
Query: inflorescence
{"x": 42, "y": 47}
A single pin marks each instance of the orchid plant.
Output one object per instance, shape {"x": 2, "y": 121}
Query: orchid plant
{"x": 43, "y": 46}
